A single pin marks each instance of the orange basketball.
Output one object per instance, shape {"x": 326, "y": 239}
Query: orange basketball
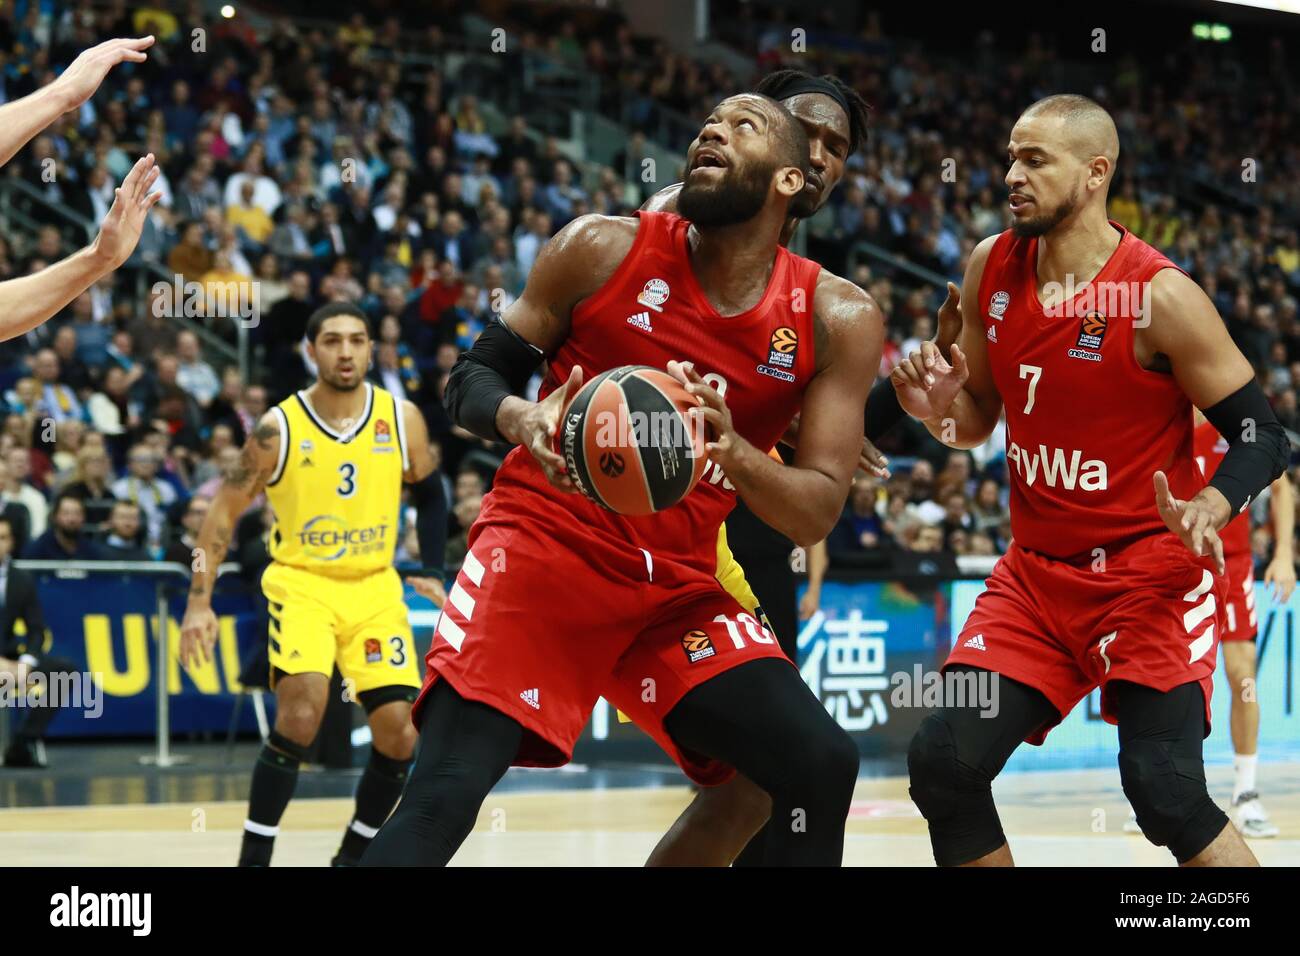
{"x": 628, "y": 443}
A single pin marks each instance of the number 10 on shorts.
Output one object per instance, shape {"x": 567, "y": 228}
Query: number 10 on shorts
{"x": 752, "y": 627}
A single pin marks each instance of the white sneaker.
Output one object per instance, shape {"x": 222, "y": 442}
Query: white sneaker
{"x": 1251, "y": 818}
{"x": 1131, "y": 824}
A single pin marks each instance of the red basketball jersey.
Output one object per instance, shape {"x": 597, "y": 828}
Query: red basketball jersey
{"x": 1209, "y": 447}
{"x": 1087, "y": 426}
{"x": 651, "y": 311}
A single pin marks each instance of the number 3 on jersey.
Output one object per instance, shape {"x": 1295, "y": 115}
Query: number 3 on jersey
{"x": 347, "y": 480}
{"x": 1033, "y": 373}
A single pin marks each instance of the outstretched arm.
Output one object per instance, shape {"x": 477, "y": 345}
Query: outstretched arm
{"x": 28, "y": 301}
{"x": 22, "y": 119}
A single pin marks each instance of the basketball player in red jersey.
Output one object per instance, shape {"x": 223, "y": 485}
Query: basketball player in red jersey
{"x": 1102, "y": 586}
{"x": 1241, "y": 628}
{"x": 512, "y": 675}
{"x": 722, "y": 821}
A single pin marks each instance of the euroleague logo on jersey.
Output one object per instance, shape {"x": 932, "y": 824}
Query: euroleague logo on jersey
{"x": 781, "y": 349}
{"x": 697, "y": 645}
{"x": 1092, "y": 329}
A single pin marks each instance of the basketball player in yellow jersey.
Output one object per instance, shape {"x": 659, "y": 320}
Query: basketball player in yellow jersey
{"x": 332, "y": 460}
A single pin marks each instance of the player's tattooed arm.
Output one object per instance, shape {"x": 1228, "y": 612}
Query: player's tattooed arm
{"x": 245, "y": 480}
{"x": 958, "y": 402}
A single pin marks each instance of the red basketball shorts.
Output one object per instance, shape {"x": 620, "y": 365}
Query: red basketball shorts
{"x": 1152, "y": 614}
{"x": 1239, "y": 607}
{"x": 546, "y": 617}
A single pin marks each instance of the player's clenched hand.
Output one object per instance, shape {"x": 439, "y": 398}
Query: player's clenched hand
{"x": 1280, "y": 573}
{"x": 926, "y": 384}
{"x": 713, "y": 411}
{"x": 1196, "y": 522}
{"x": 198, "y": 634}
{"x": 870, "y": 459}
{"x": 539, "y": 424}
{"x": 81, "y": 79}
{"x": 121, "y": 228}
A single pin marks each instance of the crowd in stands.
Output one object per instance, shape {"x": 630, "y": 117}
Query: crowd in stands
{"x": 304, "y": 165}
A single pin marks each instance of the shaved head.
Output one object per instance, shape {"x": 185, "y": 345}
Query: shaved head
{"x": 1062, "y": 156}
{"x": 1087, "y": 128}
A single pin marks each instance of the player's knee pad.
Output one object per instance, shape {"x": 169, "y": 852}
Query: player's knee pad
{"x": 955, "y": 798}
{"x": 286, "y": 748}
{"x": 1167, "y": 792}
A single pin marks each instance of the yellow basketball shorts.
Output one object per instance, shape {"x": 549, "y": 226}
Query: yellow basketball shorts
{"x": 360, "y": 624}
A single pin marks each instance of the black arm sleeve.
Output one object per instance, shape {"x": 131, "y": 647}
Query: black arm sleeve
{"x": 499, "y": 365}
{"x": 883, "y": 411}
{"x": 430, "y": 502}
{"x": 1258, "y": 447}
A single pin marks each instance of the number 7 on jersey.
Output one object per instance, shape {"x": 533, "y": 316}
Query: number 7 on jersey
{"x": 1033, "y": 373}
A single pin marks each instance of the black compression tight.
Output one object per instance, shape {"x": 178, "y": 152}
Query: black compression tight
{"x": 761, "y": 718}
{"x": 465, "y": 748}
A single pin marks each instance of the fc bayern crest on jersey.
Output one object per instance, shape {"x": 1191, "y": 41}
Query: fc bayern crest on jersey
{"x": 654, "y": 295}
{"x": 998, "y": 304}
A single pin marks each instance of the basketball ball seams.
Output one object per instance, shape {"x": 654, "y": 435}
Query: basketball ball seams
{"x": 681, "y": 478}
{"x": 643, "y": 469}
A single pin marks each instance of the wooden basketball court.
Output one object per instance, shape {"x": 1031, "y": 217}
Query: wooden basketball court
{"x": 1055, "y": 818}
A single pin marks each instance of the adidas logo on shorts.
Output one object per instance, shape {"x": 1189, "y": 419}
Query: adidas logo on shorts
{"x": 976, "y": 642}
{"x": 529, "y": 697}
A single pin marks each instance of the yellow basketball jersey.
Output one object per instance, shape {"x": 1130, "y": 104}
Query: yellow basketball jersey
{"x": 336, "y": 496}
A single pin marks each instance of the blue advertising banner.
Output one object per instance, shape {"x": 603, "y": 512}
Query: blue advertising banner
{"x": 105, "y": 623}
{"x": 860, "y": 653}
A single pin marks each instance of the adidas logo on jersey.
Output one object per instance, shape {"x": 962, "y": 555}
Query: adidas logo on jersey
{"x": 993, "y": 333}
{"x": 641, "y": 320}
{"x": 976, "y": 642}
{"x": 529, "y": 697}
